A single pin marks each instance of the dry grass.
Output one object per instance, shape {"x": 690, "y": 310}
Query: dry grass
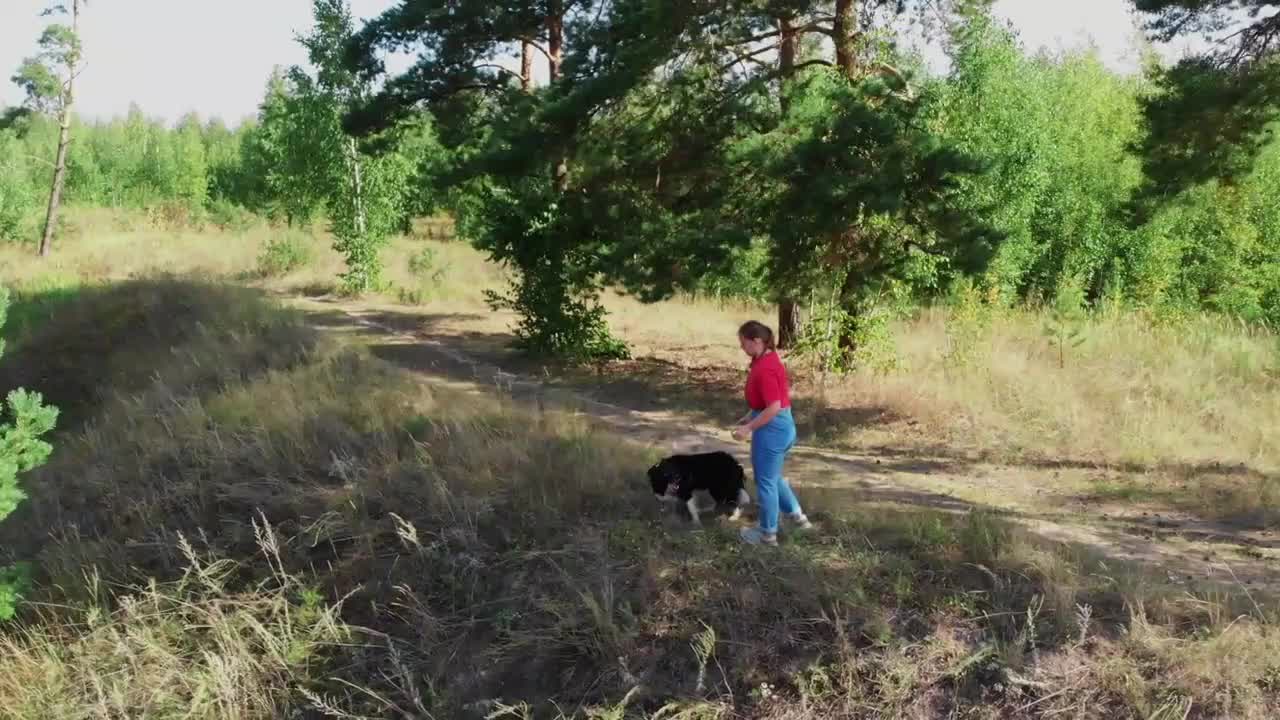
{"x": 188, "y": 648}
{"x": 1192, "y": 392}
{"x": 330, "y": 536}
{"x": 102, "y": 245}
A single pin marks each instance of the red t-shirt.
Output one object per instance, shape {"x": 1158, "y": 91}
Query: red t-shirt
{"x": 767, "y": 382}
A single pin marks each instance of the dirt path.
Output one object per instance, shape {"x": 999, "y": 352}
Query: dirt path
{"x": 1185, "y": 549}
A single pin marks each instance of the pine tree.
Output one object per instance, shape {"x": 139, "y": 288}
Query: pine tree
{"x": 21, "y": 450}
{"x": 514, "y": 178}
{"x": 653, "y": 133}
{"x": 49, "y": 81}
{"x": 1213, "y": 112}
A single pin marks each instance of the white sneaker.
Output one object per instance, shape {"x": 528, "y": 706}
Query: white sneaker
{"x": 801, "y": 521}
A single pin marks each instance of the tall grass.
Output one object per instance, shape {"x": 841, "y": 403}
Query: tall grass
{"x": 1195, "y": 391}
{"x": 187, "y": 648}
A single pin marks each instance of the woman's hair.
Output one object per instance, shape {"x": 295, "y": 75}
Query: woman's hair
{"x": 753, "y": 330}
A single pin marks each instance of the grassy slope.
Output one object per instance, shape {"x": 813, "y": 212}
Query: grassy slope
{"x": 262, "y": 524}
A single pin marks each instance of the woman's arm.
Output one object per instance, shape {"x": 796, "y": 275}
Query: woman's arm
{"x": 765, "y": 417}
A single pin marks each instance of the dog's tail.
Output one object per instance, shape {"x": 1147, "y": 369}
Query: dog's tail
{"x": 743, "y": 497}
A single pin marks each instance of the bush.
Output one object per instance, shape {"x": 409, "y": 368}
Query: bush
{"x": 19, "y": 206}
{"x": 555, "y": 321}
{"x": 744, "y": 276}
{"x": 968, "y": 325}
{"x": 21, "y": 450}
{"x": 285, "y": 253}
{"x": 426, "y": 269}
{"x": 174, "y": 216}
{"x": 230, "y": 217}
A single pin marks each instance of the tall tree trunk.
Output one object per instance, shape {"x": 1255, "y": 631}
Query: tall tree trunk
{"x": 555, "y": 40}
{"x": 64, "y": 139}
{"x": 357, "y": 181}
{"x": 526, "y": 66}
{"x": 788, "y": 308}
{"x": 555, "y": 55}
{"x": 843, "y": 32}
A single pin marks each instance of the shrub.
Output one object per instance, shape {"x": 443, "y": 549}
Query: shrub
{"x": 174, "y": 216}
{"x": 1067, "y": 316}
{"x": 557, "y": 321}
{"x": 425, "y": 267}
{"x": 230, "y": 217}
{"x": 21, "y": 449}
{"x": 284, "y": 253}
{"x": 968, "y": 325}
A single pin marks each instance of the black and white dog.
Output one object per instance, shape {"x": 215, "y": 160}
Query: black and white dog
{"x": 677, "y": 477}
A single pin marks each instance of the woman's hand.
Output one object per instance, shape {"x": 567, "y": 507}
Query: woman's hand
{"x": 742, "y": 432}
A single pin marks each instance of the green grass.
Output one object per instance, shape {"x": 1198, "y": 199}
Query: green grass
{"x": 269, "y": 526}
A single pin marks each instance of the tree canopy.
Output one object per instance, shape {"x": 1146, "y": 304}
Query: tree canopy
{"x": 1211, "y": 113}
{"x": 671, "y": 134}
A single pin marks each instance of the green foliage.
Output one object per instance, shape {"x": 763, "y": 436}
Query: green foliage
{"x": 284, "y": 253}
{"x": 428, "y": 271}
{"x": 1065, "y": 324}
{"x": 554, "y": 290}
{"x": 425, "y": 265}
{"x": 23, "y": 420}
{"x": 1208, "y": 248}
{"x": 840, "y": 341}
{"x": 230, "y": 217}
{"x": 1057, "y": 181}
{"x": 374, "y": 210}
{"x": 1211, "y": 114}
{"x": 555, "y": 322}
{"x": 853, "y": 178}
{"x": 286, "y": 153}
{"x": 874, "y": 346}
{"x": 43, "y": 76}
{"x": 15, "y": 580}
{"x": 743, "y": 276}
{"x": 366, "y": 194}
{"x": 130, "y": 162}
{"x": 19, "y": 200}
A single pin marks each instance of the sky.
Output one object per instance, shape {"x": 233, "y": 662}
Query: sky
{"x": 172, "y": 57}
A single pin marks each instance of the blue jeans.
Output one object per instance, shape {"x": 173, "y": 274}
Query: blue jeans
{"x": 769, "y": 447}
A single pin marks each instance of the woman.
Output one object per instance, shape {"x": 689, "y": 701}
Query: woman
{"x": 772, "y": 431}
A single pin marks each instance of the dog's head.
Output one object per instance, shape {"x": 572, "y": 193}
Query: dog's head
{"x": 665, "y": 481}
